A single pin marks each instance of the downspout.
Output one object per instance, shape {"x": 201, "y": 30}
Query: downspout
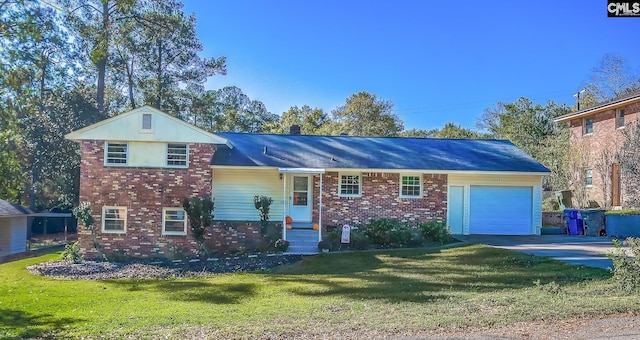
{"x": 284, "y": 206}
{"x": 320, "y": 212}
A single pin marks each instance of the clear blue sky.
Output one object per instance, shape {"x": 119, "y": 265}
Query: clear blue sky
{"x": 438, "y": 61}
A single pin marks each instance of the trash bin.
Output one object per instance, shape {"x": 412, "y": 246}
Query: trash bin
{"x": 593, "y": 221}
{"x": 574, "y": 221}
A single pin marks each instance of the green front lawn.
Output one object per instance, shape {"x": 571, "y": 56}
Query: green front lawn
{"x": 367, "y": 293}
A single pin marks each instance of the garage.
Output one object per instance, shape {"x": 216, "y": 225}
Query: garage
{"x": 500, "y": 210}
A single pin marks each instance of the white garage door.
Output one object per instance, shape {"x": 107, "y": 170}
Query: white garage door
{"x": 500, "y": 210}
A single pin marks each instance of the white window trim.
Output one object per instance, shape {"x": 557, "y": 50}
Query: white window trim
{"x": 340, "y": 184}
{"x": 584, "y": 126}
{"x": 166, "y": 157}
{"x": 164, "y": 232}
{"x": 585, "y": 177}
{"x": 142, "y": 130}
{"x": 421, "y": 185}
{"x": 617, "y": 117}
{"x": 106, "y": 153}
{"x": 104, "y": 210}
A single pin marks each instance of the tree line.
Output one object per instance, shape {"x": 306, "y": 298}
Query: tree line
{"x": 66, "y": 64}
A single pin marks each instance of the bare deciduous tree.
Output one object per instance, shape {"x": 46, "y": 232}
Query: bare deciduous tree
{"x": 630, "y": 164}
{"x": 602, "y": 163}
{"x": 578, "y": 165}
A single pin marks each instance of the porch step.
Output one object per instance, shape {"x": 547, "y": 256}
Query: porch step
{"x": 302, "y": 241}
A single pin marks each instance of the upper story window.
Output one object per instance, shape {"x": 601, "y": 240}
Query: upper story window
{"x": 177, "y": 155}
{"x": 174, "y": 221}
{"x": 587, "y": 126}
{"x": 116, "y": 154}
{"x": 146, "y": 122}
{"x": 619, "y": 118}
{"x": 350, "y": 185}
{"x": 411, "y": 186}
{"x": 114, "y": 220}
{"x": 588, "y": 177}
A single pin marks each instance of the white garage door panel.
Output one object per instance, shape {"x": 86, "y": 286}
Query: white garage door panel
{"x": 500, "y": 210}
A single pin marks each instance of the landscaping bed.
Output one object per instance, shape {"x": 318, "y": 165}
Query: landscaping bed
{"x": 92, "y": 270}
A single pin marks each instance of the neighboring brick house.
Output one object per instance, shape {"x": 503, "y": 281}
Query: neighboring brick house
{"x": 598, "y": 132}
{"x": 138, "y": 167}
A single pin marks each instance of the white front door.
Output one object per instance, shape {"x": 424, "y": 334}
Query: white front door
{"x": 300, "y": 198}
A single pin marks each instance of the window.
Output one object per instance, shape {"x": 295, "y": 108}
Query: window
{"x": 588, "y": 177}
{"x": 114, "y": 219}
{"x": 177, "y": 155}
{"x": 146, "y": 121}
{"x": 411, "y": 186}
{"x": 619, "y": 118}
{"x": 174, "y": 221}
{"x": 588, "y": 126}
{"x": 350, "y": 185}
{"x": 116, "y": 154}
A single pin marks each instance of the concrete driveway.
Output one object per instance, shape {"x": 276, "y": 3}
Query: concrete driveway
{"x": 588, "y": 251}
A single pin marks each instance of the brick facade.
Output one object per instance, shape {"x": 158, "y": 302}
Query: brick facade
{"x": 380, "y": 199}
{"x": 605, "y": 136}
{"x": 145, "y": 192}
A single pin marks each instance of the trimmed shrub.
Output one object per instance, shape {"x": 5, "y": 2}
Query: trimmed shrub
{"x": 389, "y": 232}
{"x": 436, "y": 231}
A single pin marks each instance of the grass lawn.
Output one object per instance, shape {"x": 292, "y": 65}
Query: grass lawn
{"x": 399, "y": 292}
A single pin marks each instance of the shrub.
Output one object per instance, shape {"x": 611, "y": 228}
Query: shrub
{"x": 72, "y": 253}
{"x": 389, "y": 232}
{"x": 200, "y": 213}
{"x": 436, "y": 231}
{"x": 324, "y": 244}
{"x": 550, "y": 204}
{"x": 626, "y": 264}
{"x": 627, "y": 211}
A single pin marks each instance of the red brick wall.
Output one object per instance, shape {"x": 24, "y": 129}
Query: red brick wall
{"x": 145, "y": 191}
{"x": 380, "y": 199}
{"x": 605, "y": 136}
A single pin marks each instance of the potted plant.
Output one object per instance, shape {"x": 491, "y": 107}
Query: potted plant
{"x": 282, "y": 245}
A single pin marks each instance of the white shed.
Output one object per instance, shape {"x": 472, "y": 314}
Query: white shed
{"x": 13, "y": 228}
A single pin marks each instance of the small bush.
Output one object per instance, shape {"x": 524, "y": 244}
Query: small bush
{"x": 324, "y": 244}
{"x": 389, "y": 232}
{"x": 626, "y": 264}
{"x": 72, "y": 253}
{"x": 436, "y": 231}
{"x": 550, "y": 204}
{"x": 119, "y": 256}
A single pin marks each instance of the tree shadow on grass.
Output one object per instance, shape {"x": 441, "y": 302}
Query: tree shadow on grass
{"x": 197, "y": 291}
{"x": 20, "y": 324}
{"x": 424, "y": 275}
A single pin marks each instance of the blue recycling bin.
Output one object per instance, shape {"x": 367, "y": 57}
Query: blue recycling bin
{"x": 575, "y": 225}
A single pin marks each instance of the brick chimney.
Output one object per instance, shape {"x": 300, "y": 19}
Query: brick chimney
{"x": 294, "y": 130}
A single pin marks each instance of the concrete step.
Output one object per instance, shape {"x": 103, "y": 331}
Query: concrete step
{"x": 302, "y": 250}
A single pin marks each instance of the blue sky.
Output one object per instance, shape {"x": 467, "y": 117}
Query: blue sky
{"x": 438, "y": 61}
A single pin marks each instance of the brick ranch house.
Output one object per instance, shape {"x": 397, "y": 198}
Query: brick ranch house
{"x": 598, "y": 132}
{"x": 138, "y": 167}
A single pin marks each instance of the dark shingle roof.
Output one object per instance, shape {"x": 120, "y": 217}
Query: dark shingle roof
{"x": 303, "y": 151}
{"x": 9, "y": 209}
{"x": 622, "y": 98}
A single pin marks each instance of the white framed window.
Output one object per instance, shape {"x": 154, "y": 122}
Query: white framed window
{"x": 174, "y": 221}
{"x": 587, "y": 126}
{"x": 114, "y": 220}
{"x": 588, "y": 177}
{"x": 350, "y": 185}
{"x": 116, "y": 154}
{"x": 619, "y": 118}
{"x": 410, "y": 186}
{"x": 177, "y": 155}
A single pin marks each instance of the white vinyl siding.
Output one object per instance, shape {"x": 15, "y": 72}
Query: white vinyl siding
{"x": 174, "y": 221}
{"x": 350, "y": 185}
{"x": 116, "y": 154}
{"x": 234, "y": 189}
{"x": 177, "y": 155}
{"x": 13, "y": 235}
{"x": 114, "y": 220}
{"x": 410, "y": 186}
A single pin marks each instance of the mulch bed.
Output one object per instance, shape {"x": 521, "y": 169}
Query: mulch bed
{"x": 92, "y": 270}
